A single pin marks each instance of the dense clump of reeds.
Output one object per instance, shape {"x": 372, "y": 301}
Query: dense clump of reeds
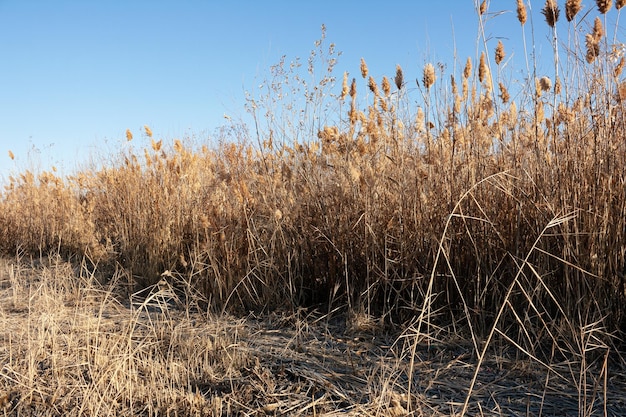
{"x": 447, "y": 210}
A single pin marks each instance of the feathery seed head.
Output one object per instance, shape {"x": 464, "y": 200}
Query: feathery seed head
{"x": 551, "y": 12}
{"x": 504, "y": 93}
{"x": 373, "y": 86}
{"x": 467, "y": 71}
{"x": 572, "y": 7}
{"x": 353, "y": 88}
{"x": 557, "y": 86}
{"x": 598, "y": 30}
{"x": 482, "y": 68}
{"x": 419, "y": 120}
{"x": 364, "y": 69}
{"x": 11, "y": 155}
{"x": 604, "y": 5}
{"x": 483, "y": 7}
{"x": 500, "y": 54}
{"x": 386, "y": 86}
{"x": 129, "y": 135}
{"x": 545, "y": 83}
{"x": 344, "y": 86}
{"x": 399, "y": 78}
{"x": 429, "y": 75}
{"x": 521, "y": 12}
{"x": 593, "y": 47}
{"x": 148, "y": 131}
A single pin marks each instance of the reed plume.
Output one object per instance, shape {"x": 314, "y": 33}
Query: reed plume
{"x": 364, "y": 70}
{"x": 551, "y": 12}
{"x": 521, "y": 12}
{"x": 429, "y": 75}
{"x": 386, "y": 85}
{"x": 604, "y": 5}
{"x": 399, "y": 78}
{"x": 500, "y": 54}
{"x": 572, "y": 7}
{"x": 482, "y": 68}
{"x": 344, "y": 86}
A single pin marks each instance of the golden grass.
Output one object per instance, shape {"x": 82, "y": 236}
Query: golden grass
{"x": 497, "y": 217}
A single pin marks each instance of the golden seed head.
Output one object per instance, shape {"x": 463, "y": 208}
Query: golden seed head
{"x": 572, "y": 7}
{"x": 344, "y": 86}
{"x": 178, "y": 146}
{"x": 483, "y": 7}
{"x": 148, "y": 131}
{"x": 364, "y": 69}
{"x": 373, "y": 86}
{"x": 455, "y": 88}
{"x": 278, "y": 215}
{"x": 399, "y": 78}
{"x": 619, "y": 4}
{"x": 482, "y": 68}
{"x": 500, "y": 54}
{"x": 598, "y": 30}
{"x": 129, "y": 135}
{"x": 429, "y": 75}
{"x": 353, "y": 88}
{"x": 538, "y": 89}
{"x": 545, "y": 83}
{"x": 156, "y": 146}
{"x": 551, "y": 12}
{"x": 11, "y": 155}
{"x": 504, "y": 93}
{"x": 467, "y": 71}
{"x": 604, "y": 5}
{"x": 593, "y": 47}
{"x": 521, "y": 12}
{"x": 419, "y": 120}
{"x": 386, "y": 86}
{"x": 557, "y": 86}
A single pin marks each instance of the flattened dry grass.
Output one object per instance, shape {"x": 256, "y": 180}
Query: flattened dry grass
{"x": 71, "y": 346}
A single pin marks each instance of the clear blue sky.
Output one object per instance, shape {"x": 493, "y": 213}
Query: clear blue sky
{"x": 77, "y": 74}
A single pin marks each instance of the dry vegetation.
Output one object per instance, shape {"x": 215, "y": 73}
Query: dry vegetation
{"x": 479, "y": 234}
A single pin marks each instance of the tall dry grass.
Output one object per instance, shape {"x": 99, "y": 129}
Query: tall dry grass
{"x": 475, "y": 210}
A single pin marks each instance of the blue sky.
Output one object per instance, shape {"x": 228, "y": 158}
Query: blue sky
{"x": 75, "y": 75}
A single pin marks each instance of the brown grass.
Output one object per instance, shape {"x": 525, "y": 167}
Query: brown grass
{"x": 496, "y": 218}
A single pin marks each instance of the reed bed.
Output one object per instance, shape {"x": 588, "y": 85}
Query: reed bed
{"x": 452, "y": 207}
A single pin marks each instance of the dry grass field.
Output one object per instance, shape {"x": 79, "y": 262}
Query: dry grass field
{"x": 451, "y": 246}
